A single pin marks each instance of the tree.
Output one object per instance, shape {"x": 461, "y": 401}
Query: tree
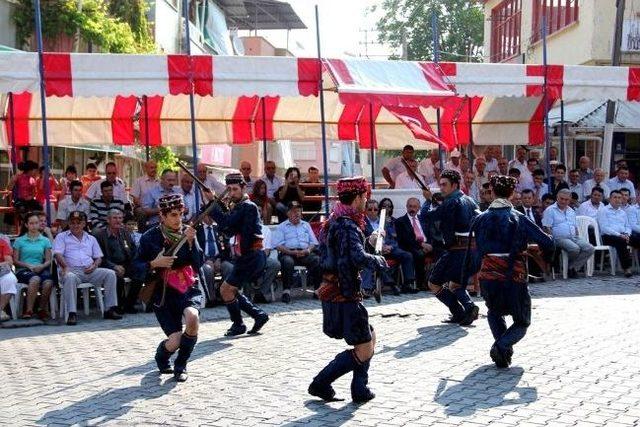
{"x": 460, "y": 24}
{"x": 164, "y": 157}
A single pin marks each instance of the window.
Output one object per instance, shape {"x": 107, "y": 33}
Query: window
{"x": 505, "y": 30}
{"x": 559, "y": 14}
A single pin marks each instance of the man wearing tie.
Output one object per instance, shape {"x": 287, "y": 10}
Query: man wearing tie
{"x": 208, "y": 241}
{"x": 413, "y": 238}
{"x": 527, "y": 208}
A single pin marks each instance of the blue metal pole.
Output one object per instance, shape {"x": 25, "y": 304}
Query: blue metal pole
{"x": 436, "y": 59}
{"x": 322, "y": 121}
{"x": 12, "y": 141}
{"x": 562, "y": 146}
{"x": 373, "y": 151}
{"x": 146, "y": 127}
{"x": 547, "y": 142}
{"x": 264, "y": 131}
{"x": 43, "y": 107}
{"x": 192, "y": 106}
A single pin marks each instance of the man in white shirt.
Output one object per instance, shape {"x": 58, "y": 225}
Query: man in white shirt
{"x": 540, "y": 188}
{"x": 520, "y": 162}
{"x": 491, "y": 155}
{"x": 615, "y": 229}
{"x": 75, "y": 202}
{"x": 245, "y": 170}
{"x": 209, "y": 180}
{"x": 621, "y": 181}
{"x": 188, "y": 196}
{"x": 430, "y": 167}
{"x": 394, "y": 167}
{"x": 596, "y": 181}
{"x": 145, "y": 182}
{"x": 119, "y": 190}
{"x": 481, "y": 172}
{"x": 271, "y": 179}
{"x": 405, "y": 180}
{"x": 594, "y": 205}
{"x": 574, "y": 184}
{"x": 585, "y": 169}
{"x": 454, "y": 162}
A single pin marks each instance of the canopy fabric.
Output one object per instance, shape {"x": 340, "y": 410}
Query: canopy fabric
{"x": 108, "y": 99}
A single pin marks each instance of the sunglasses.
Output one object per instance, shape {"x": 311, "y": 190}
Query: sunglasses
{"x": 373, "y": 209}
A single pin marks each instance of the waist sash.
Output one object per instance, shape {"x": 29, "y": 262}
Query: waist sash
{"x": 496, "y": 267}
{"x": 329, "y": 290}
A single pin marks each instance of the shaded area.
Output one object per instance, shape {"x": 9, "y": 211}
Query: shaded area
{"x": 485, "y": 387}
{"x": 430, "y": 338}
{"x": 325, "y": 414}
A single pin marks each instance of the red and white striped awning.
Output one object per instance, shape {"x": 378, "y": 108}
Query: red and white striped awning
{"x": 104, "y": 99}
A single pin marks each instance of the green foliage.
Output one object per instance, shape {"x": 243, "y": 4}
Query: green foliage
{"x": 93, "y": 22}
{"x": 165, "y": 158}
{"x": 460, "y": 22}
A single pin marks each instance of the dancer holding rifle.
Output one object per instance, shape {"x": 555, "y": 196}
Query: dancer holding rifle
{"x": 171, "y": 286}
{"x": 501, "y": 235}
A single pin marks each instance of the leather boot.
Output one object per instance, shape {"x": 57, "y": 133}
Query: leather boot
{"x": 360, "y": 393}
{"x": 162, "y": 358}
{"x": 259, "y": 316}
{"x": 238, "y": 327}
{"x": 321, "y": 386}
{"x": 447, "y": 298}
{"x": 187, "y": 342}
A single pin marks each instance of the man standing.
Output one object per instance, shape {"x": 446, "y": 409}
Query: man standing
{"x": 118, "y": 248}
{"x": 188, "y": 194}
{"x": 245, "y": 170}
{"x": 615, "y": 229}
{"x": 394, "y": 167}
{"x": 454, "y": 216}
{"x": 574, "y": 184}
{"x": 75, "y": 202}
{"x": 405, "y": 180}
{"x": 501, "y": 237}
{"x": 243, "y": 222}
{"x": 520, "y": 162}
{"x": 151, "y": 200}
{"x": 344, "y": 316}
{"x": 295, "y": 241}
{"x": 585, "y": 169}
{"x": 560, "y": 221}
{"x": 271, "y": 179}
{"x": 430, "y": 167}
{"x": 78, "y": 256}
{"x": 454, "y": 161}
{"x": 143, "y": 184}
{"x": 102, "y": 205}
{"x": 317, "y": 189}
{"x": 621, "y": 181}
{"x": 596, "y": 181}
{"x": 503, "y": 166}
{"x": 209, "y": 180}
{"x": 90, "y": 176}
{"x": 176, "y": 294}
{"x": 119, "y": 190}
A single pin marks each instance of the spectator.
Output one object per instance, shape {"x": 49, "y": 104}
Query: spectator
{"x": 469, "y": 186}
{"x": 584, "y": 169}
{"x": 245, "y": 170}
{"x": 528, "y": 207}
{"x": 387, "y": 204}
{"x": 313, "y": 177}
{"x": 593, "y": 205}
{"x": 271, "y": 179}
{"x": 295, "y": 241}
{"x": 32, "y": 258}
{"x": 101, "y": 206}
{"x": 553, "y": 154}
{"x": 491, "y": 155}
{"x": 209, "y": 180}
{"x": 70, "y": 175}
{"x": 515, "y": 173}
{"x": 89, "y": 178}
{"x": 44, "y": 228}
{"x": 520, "y": 162}
{"x": 24, "y": 187}
{"x": 626, "y": 199}
{"x": 557, "y": 181}
{"x": 132, "y": 226}
{"x": 547, "y": 200}
{"x": 481, "y": 172}
{"x": 486, "y": 197}
{"x": 621, "y": 181}
{"x": 75, "y": 202}
{"x": 150, "y": 200}
{"x": 454, "y": 161}
{"x": 144, "y": 184}
{"x": 633, "y": 215}
{"x": 574, "y": 184}
{"x": 406, "y": 181}
{"x": 263, "y": 202}
{"x": 540, "y": 188}
{"x": 188, "y": 193}
{"x": 54, "y": 187}
{"x": 394, "y": 167}
{"x": 118, "y": 248}
{"x": 119, "y": 190}
{"x": 430, "y": 167}
{"x": 560, "y": 221}
{"x": 616, "y": 230}
{"x": 78, "y": 256}
{"x": 413, "y": 238}
{"x": 596, "y": 181}
{"x": 465, "y": 164}
{"x": 503, "y": 166}
{"x": 289, "y": 192}
{"x": 209, "y": 241}
{"x": 527, "y": 176}
{"x": 8, "y": 280}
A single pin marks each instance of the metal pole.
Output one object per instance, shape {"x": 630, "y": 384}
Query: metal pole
{"x": 43, "y": 107}
{"x": 562, "y": 147}
{"x": 436, "y": 59}
{"x": 12, "y": 141}
{"x": 373, "y": 151}
{"x": 264, "y": 132}
{"x": 547, "y": 142}
{"x": 146, "y": 126}
{"x": 322, "y": 120}
{"x": 471, "y": 155}
{"x": 192, "y": 106}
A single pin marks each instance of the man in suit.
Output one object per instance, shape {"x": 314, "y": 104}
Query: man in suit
{"x": 528, "y": 208}
{"x": 213, "y": 249}
{"x": 413, "y": 238}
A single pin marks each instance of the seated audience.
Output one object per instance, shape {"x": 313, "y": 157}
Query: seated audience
{"x": 119, "y": 189}
{"x": 271, "y": 179}
{"x": 486, "y": 197}
{"x": 23, "y": 186}
{"x": 266, "y": 205}
{"x": 575, "y": 186}
{"x": 144, "y": 183}
{"x": 413, "y": 238}
{"x": 528, "y": 207}
{"x": 615, "y": 229}
{"x": 454, "y": 161}
{"x": 597, "y": 181}
{"x": 547, "y": 200}
{"x": 74, "y": 202}
{"x": 79, "y": 256}
{"x": 584, "y": 169}
{"x": 430, "y": 167}
{"x": 212, "y": 247}
{"x": 621, "y": 180}
{"x": 209, "y": 180}
{"x": 89, "y": 178}
{"x": 132, "y": 226}
{"x": 540, "y": 188}
{"x": 188, "y": 193}
{"x": 289, "y": 192}
{"x": 102, "y": 205}
{"x": 245, "y": 170}
{"x": 8, "y": 280}
{"x": 32, "y": 258}
{"x": 150, "y": 200}
{"x": 503, "y": 166}
{"x": 557, "y": 182}
{"x": 593, "y": 205}
{"x": 70, "y": 175}
{"x": 313, "y": 177}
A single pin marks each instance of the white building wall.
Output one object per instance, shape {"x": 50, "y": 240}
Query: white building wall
{"x": 7, "y": 27}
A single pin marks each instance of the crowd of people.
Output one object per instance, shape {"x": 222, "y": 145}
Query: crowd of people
{"x": 97, "y": 224}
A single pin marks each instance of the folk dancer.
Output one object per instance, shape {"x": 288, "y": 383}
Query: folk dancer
{"x": 343, "y": 255}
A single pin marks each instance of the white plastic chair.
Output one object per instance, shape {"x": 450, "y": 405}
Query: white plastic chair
{"x": 84, "y": 287}
{"x": 302, "y": 270}
{"x": 584, "y": 223}
{"x": 564, "y": 261}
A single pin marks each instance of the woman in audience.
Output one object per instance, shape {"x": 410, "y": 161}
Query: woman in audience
{"x": 264, "y": 203}
{"x": 32, "y": 257}
{"x": 8, "y": 280}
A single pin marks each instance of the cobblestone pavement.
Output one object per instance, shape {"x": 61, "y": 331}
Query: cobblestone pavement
{"x": 579, "y": 365}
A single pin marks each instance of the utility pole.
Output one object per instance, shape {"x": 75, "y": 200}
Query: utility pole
{"x": 608, "y": 148}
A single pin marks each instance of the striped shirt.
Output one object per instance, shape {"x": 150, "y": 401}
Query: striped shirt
{"x": 100, "y": 209}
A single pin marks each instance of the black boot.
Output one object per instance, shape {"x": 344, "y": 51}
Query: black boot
{"x": 360, "y": 393}
{"x": 499, "y": 357}
{"x": 259, "y": 316}
{"x": 238, "y": 327}
{"x": 321, "y": 386}
{"x": 187, "y": 342}
{"x": 447, "y": 298}
{"x": 470, "y": 309}
{"x": 162, "y": 358}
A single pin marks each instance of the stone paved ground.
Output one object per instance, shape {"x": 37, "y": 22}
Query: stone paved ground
{"x": 579, "y": 365}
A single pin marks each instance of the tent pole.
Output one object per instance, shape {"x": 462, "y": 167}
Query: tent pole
{"x": 12, "y": 129}
{"x": 471, "y": 155}
{"x": 372, "y": 148}
{"x": 322, "y": 120}
{"x": 43, "y": 107}
{"x": 545, "y": 99}
{"x": 562, "y": 146}
{"x": 436, "y": 59}
{"x": 265, "y": 157}
{"x": 146, "y": 127}
{"x": 192, "y": 107}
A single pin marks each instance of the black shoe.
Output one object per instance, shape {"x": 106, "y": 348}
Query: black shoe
{"x": 130, "y": 310}
{"x": 180, "y": 376}
{"x": 119, "y": 310}
{"x": 72, "y": 320}
{"x": 497, "y": 357}
{"x": 259, "y": 298}
{"x": 628, "y": 274}
{"x": 112, "y": 314}
{"x": 572, "y": 274}
{"x": 396, "y": 290}
{"x": 453, "y": 319}
{"x": 363, "y": 398}
{"x": 236, "y": 330}
{"x": 409, "y": 290}
{"x": 470, "y": 315}
{"x": 326, "y": 393}
{"x": 286, "y": 298}
{"x": 259, "y": 323}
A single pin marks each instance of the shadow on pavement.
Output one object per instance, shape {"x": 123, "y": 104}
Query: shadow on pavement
{"x": 324, "y": 414}
{"x": 429, "y": 338}
{"x": 485, "y": 387}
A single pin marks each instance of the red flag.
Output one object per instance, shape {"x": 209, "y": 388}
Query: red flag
{"x": 413, "y": 118}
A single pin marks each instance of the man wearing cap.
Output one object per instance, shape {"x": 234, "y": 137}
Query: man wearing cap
{"x": 78, "y": 256}
{"x": 343, "y": 256}
{"x": 502, "y": 235}
{"x": 454, "y": 217}
{"x": 454, "y": 162}
{"x": 241, "y": 219}
{"x": 295, "y": 241}
{"x": 394, "y": 166}
{"x": 176, "y": 294}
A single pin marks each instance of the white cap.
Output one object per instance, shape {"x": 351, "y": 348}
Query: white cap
{"x": 455, "y": 153}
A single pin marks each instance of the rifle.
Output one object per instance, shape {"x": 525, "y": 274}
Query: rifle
{"x": 414, "y": 175}
{"x": 377, "y": 293}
